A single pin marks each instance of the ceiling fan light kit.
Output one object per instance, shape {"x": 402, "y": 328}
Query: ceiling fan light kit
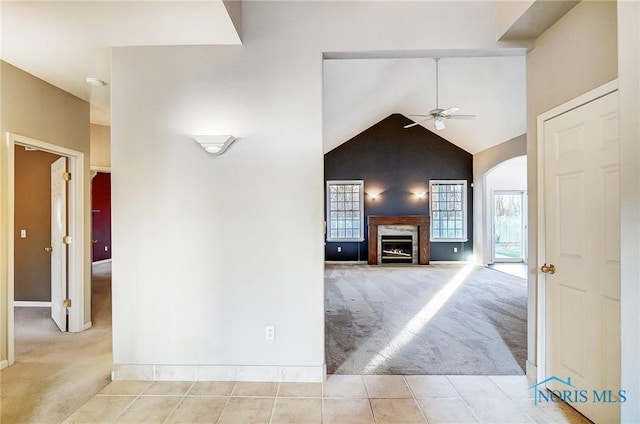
{"x": 439, "y": 115}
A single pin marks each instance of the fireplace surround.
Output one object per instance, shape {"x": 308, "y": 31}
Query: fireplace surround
{"x": 421, "y": 222}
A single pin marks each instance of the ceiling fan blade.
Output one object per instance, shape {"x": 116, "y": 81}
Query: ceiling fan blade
{"x": 420, "y": 116}
{"x": 461, "y": 116}
{"x": 451, "y": 110}
{"x": 418, "y": 122}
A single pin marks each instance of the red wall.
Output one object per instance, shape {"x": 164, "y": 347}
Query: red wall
{"x": 101, "y": 211}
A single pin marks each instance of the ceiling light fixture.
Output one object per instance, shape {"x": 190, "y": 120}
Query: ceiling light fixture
{"x": 215, "y": 144}
{"x": 96, "y": 82}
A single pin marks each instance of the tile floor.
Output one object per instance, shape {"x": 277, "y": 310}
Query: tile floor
{"x": 344, "y": 399}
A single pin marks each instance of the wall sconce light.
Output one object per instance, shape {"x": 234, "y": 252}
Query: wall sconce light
{"x": 420, "y": 194}
{"x": 215, "y": 144}
{"x": 96, "y": 82}
{"x": 374, "y": 195}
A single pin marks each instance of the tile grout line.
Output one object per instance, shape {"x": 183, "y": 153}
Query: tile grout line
{"x": 127, "y": 408}
{"x": 464, "y": 400}
{"x": 499, "y": 388}
{"x": 273, "y": 407}
{"x": 227, "y": 402}
{"x": 373, "y": 414}
{"x": 263, "y": 397}
{"x": 415, "y": 400}
{"x": 132, "y": 402}
{"x": 366, "y": 388}
{"x": 180, "y": 401}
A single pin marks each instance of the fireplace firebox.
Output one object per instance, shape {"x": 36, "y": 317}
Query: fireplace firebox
{"x": 397, "y": 249}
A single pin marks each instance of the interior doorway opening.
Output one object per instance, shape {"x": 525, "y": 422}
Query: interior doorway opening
{"x": 505, "y": 200}
{"x": 74, "y": 280}
{"x": 100, "y": 217}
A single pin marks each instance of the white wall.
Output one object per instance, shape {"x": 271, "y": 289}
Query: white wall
{"x": 629, "y": 88}
{"x": 509, "y": 175}
{"x": 208, "y": 250}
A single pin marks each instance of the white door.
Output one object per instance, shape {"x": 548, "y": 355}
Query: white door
{"x": 59, "y": 248}
{"x": 582, "y": 234}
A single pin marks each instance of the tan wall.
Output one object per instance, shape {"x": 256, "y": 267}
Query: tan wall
{"x": 508, "y": 13}
{"x": 36, "y": 109}
{"x": 483, "y": 162}
{"x": 32, "y": 272}
{"x": 100, "y": 147}
{"x": 629, "y": 86}
{"x": 574, "y": 56}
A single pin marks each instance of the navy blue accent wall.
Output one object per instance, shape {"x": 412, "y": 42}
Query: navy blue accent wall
{"x": 397, "y": 162}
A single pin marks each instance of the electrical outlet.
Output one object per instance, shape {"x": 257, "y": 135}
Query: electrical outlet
{"x": 455, "y": 250}
{"x": 270, "y": 332}
{"x": 106, "y": 248}
{"x": 339, "y": 249}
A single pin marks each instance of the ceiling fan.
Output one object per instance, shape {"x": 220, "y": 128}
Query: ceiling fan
{"x": 438, "y": 115}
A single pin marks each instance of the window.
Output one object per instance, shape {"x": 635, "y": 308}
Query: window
{"x": 448, "y": 210}
{"x": 345, "y": 210}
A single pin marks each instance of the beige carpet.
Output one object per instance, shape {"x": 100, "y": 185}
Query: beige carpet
{"x": 55, "y": 373}
{"x": 442, "y": 319}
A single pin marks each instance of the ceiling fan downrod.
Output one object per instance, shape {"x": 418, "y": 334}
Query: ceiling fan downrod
{"x": 437, "y": 59}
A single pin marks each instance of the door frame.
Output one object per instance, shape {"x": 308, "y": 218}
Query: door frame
{"x": 76, "y": 219}
{"x": 541, "y": 333}
{"x": 524, "y": 213}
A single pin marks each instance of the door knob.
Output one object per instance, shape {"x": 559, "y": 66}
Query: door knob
{"x": 94, "y": 241}
{"x": 548, "y": 269}
{"x": 48, "y": 249}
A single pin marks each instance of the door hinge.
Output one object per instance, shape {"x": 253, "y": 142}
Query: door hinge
{"x": 66, "y": 240}
{"x": 66, "y": 303}
{"x": 66, "y": 176}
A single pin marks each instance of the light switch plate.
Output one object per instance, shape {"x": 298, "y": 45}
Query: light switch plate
{"x": 23, "y": 233}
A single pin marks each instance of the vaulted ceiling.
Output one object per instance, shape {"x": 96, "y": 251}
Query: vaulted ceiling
{"x": 360, "y": 92}
{"x": 64, "y": 42}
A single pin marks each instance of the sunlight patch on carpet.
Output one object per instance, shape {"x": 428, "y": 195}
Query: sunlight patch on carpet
{"x": 418, "y": 322}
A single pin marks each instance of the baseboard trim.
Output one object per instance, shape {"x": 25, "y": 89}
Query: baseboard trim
{"x": 346, "y": 262}
{"x": 87, "y": 325}
{"x": 30, "y": 304}
{"x": 532, "y": 372}
{"x": 450, "y": 262}
{"x": 293, "y": 374}
{"x": 104, "y": 261}
{"x": 4, "y": 364}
